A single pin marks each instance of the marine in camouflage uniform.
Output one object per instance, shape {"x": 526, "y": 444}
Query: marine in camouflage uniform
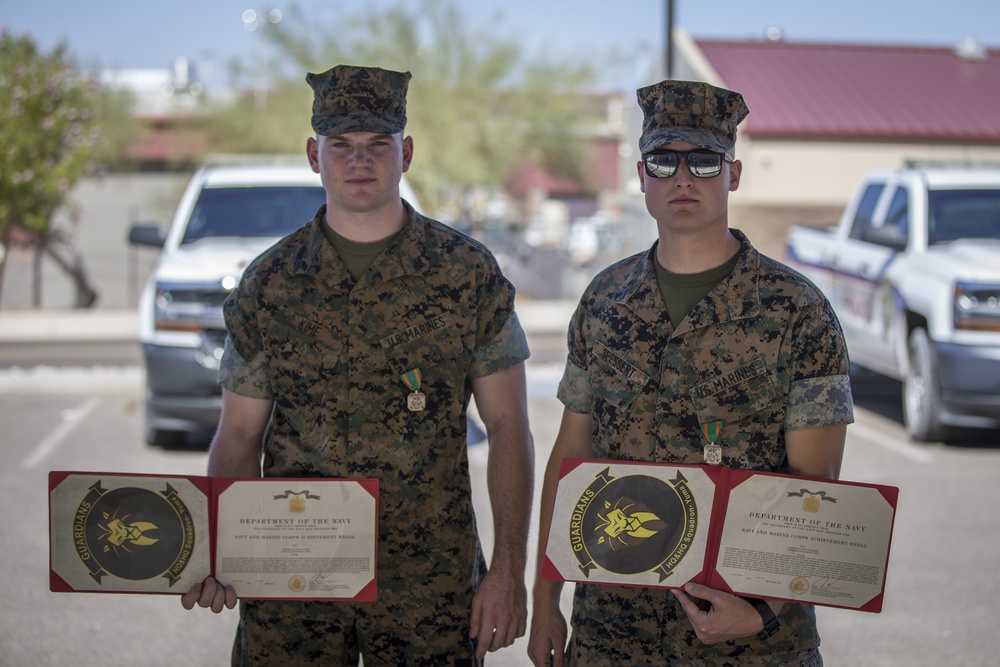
{"x": 761, "y": 354}
{"x": 331, "y": 350}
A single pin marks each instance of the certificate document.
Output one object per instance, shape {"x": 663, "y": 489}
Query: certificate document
{"x": 268, "y": 538}
{"x": 294, "y": 538}
{"x": 749, "y": 533}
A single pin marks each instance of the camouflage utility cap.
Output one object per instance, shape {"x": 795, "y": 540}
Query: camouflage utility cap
{"x": 690, "y": 111}
{"x": 358, "y": 99}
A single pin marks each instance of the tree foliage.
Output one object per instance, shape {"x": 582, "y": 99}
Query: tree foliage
{"x": 477, "y": 104}
{"x": 51, "y": 121}
{"x": 277, "y": 125}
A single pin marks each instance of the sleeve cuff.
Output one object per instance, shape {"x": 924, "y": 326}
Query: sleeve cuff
{"x": 574, "y": 390}
{"x": 244, "y": 377}
{"x": 819, "y": 401}
{"x": 508, "y": 348}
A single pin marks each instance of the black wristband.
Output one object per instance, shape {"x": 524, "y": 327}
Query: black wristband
{"x": 771, "y": 622}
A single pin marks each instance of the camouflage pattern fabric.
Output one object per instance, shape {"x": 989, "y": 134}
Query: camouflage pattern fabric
{"x": 762, "y": 353}
{"x": 691, "y": 111}
{"x": 358, "y": 99}
{"x": 334, "y": 352}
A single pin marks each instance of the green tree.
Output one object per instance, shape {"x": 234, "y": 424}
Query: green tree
{"x": 279, "y": 126}
{"x": 51, "y": 136}
{"x": 477, "y": 104}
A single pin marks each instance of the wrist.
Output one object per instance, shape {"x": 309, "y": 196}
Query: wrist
{"x": 507, "y": 561}
{"x": 767, "y": 617}
{"x": 546, "y": 592}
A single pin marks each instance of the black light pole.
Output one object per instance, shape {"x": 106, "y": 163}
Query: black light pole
{"x": 670, "y": 40}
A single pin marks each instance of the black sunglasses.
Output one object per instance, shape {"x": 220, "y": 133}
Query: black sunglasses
{"x": 701, "y": 163}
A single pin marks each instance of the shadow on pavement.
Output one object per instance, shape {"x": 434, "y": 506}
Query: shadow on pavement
{"x": 884, "y": 396}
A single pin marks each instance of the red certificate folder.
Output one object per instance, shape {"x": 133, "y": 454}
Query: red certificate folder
{"x": 758, "y": 534}
{"x": 272, "y": 538}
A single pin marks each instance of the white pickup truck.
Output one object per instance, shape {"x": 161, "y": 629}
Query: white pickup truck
{"x": 913, "y": 272}
{"x": 228, "y": 214}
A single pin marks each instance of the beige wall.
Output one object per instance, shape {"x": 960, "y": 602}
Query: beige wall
{"x": 777, "y": 172}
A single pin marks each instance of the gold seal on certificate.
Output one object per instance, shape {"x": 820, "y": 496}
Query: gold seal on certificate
{"x": 799, "y": 585}
{"x": 812, "y": 502}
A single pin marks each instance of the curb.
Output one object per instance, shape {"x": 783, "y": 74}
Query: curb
{"x": 540, "y": 317}
{"x": 39, "y": 326}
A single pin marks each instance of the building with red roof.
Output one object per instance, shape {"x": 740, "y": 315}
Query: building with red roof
{"x": 821, "y": 115}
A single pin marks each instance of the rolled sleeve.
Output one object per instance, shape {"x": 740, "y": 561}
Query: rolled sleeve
{"x": 246, "y": 377}
{"x": 508, "y": 348}
{"x": 819, "y": 401}
{"x": 574, "y": 389}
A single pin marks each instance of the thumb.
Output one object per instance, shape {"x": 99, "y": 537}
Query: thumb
{"x": 698, "y": 590}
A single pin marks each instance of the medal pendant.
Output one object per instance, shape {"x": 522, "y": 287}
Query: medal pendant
{"x": 713, "y": 454}
{"x": 416, "y": 401}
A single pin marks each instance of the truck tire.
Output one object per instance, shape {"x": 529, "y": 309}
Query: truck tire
{"x": 922, "y": 391}
{"x": 160, "y": 438}
{"x": 164, "y": 439}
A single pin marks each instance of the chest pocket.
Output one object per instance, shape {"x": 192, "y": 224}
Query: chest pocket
{"x": 614, "y": 378}
{"x": 289, "y": 335}
{"x": 734, "y": 394}
{"x": 438, "y": 355}
{"x": 443, "y": 362}
{"x": 302, "y": 356}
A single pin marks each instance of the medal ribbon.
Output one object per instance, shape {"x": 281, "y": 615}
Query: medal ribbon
{"x": 411, "y": 379}
{"x": 711, "y": 431}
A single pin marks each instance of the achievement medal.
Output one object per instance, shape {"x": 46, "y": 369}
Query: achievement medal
{"x": 713, "y": 452}
{"x": 416, "y": 401}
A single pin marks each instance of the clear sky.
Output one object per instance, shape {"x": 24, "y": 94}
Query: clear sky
{"x": 144, "y": 34}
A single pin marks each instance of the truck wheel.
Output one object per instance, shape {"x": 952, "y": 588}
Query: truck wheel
{"x": 921, "y": 391}
{"x": 165, "y": 439}
{"x": 156, "y": 437}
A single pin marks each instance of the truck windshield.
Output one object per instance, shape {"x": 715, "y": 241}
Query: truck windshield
{"x": 963, "y": 214}
{"x": 252, "y": 211}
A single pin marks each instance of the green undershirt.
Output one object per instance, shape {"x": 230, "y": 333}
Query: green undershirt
{"x": 357, "y": 256}
{"x": 681, "y": 292}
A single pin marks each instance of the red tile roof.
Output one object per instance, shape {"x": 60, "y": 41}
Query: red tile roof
{"x": 862, "y": 92}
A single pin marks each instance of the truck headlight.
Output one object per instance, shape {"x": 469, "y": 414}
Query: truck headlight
{"x": 195, "y": 308}
{"x": 977, "y": 307}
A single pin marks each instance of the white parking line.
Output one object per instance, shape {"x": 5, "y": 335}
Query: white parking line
{"x": 891, "y": 442}
{"x": 71, "y": 419}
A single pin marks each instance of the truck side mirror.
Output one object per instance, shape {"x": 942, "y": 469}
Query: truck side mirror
{"x": 887, "y": 235}
{"x": 145, "y": 233}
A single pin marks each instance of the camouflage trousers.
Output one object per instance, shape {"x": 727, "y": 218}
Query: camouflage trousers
{"x": 333, "y": 634}
{"x": 618, "y": 625}
{"x": 577, "y": 658}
